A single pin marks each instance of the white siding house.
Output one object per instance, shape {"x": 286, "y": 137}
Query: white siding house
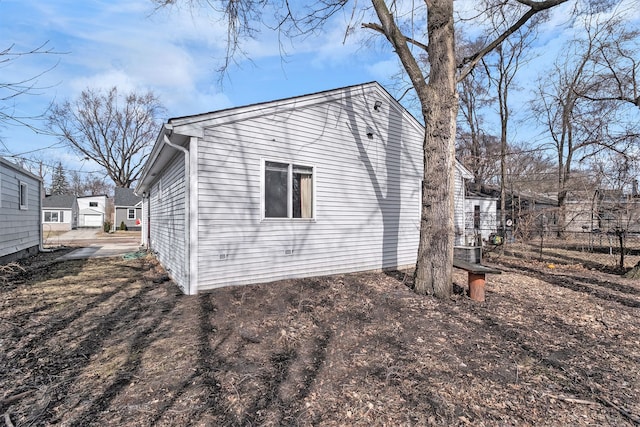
{"x": 314, "y": 185}
{"x": 460, "y": 219}
{"x": 92, "y": 210}
{"x": 59, "y": 213}
{"x": 481, "y": 216}
{"x": 20, "y": 204}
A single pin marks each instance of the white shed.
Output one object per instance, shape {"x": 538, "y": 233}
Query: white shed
{"x": 314, "y": 185}
{"x": 20, "y": 204}
{"x": 481, "y": 216}
{"x": 92, "y": 210}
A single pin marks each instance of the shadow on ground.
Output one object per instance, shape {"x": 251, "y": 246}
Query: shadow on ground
{"x": 112, "y": 342}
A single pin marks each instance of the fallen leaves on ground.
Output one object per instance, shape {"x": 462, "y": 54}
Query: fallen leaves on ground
{"x": 112, "y": 342}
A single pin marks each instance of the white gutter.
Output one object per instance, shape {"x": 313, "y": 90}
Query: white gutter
{"x": 192, "y": 289}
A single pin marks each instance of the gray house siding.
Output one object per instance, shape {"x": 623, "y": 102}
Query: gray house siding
{"x": 20, "y": 232}
{"x": 122, "y": 215}
{"x": 167, "y": 220}
{"x": 124, "y": 201}
{"x": 366, "y": 193}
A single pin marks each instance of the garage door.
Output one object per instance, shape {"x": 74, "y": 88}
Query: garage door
{"x": 93, "y": 220}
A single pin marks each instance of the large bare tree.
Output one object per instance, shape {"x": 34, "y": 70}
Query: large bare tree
{"x": 89, "y": 184}
{"x": 502, "y": 66}
{"x": 616, "y": 60}
{"x": 474, "y": 146}
{"x": 116, "y": 131}
{"x": 413, "y": 29}
{"x": 581, "y": 124}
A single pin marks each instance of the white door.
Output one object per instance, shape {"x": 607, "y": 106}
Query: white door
{"x": 93, "y": 220}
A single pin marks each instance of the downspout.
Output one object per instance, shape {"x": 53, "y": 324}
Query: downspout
{"x": 145, "y": 238}
{"x": 187, "y": 187}
{"x": 41, "y": 247}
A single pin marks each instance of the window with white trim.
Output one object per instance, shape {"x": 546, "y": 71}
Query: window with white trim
{"x": 24, "y": 196}
{"x": 131, "y": 214}
{"x": 53, "y": 216}
{"x": 288, "y": 190}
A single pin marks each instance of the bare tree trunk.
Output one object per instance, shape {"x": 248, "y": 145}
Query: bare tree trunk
{"x": 439, "y": 100}
{"x": 503, "y": 182}
{"x": 434, "y": 266}
{"x": 620, "y": 233}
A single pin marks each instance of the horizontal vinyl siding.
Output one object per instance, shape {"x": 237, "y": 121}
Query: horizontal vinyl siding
{"x": 19, "y": 228}
{"x": 122, "y": 215}
{"x": 458, "y": 210}
{"x": 363, "y": 220}
{"x": 488, "y": 218}
{"x": 167, "y": 220}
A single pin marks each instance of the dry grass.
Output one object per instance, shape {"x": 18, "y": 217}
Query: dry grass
{"x": 10, "y": 270}
{"x": 108, "y": 342}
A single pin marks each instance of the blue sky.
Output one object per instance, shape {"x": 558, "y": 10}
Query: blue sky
{"x": 175, "y": 53}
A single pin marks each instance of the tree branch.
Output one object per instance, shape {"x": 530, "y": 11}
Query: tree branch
{"x": 468, "y": 63}
{"x": 378, "y": 28}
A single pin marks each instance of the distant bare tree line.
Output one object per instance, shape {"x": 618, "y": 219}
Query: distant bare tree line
{"x": 588, "y": 104}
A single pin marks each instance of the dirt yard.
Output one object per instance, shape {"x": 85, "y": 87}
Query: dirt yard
{"x": 112, "y": 342}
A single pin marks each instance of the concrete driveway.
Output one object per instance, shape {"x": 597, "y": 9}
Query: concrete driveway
{"x": 77, "y": 234}
{"x": 92, "y": 243}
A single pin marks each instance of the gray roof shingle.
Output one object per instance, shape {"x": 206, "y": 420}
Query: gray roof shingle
{"x": 59, "y": 201}
{"x": 125, "y": 197}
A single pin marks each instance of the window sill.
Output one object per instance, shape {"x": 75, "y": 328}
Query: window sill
{"x": 288, "y": 220}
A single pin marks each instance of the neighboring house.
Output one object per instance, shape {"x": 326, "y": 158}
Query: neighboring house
{"x": 582, "y": 215}
{"x": 459, "y": 199}
{"x": 128, "y": 209}
{"x": 92, "y": 210}
{"x": 59, "y": 213}
{"x": 527, "y": 210}
{"x": 481, "y": 215}
{"x": 604, "y": 210}
{"x": 314, "y": 185}
{"x": 20, "y": 204}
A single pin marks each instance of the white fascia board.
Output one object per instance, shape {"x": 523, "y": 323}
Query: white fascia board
{"x": 141, "y": 186}
{"x": 464, "y": 172}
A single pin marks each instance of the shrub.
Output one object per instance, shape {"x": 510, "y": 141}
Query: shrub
{"x": 123, "y": 226}
{"x": 106, "y": 226}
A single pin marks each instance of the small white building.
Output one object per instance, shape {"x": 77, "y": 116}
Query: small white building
{"x": 59, "y": 213}
{"x": 481, "y": 216}
{"x": 314, "y": 185}
{"x": 20, "y": 204}
{"x": 92, "y": 210}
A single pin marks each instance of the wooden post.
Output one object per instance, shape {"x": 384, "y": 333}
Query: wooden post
{"x": 476, "y": 286}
